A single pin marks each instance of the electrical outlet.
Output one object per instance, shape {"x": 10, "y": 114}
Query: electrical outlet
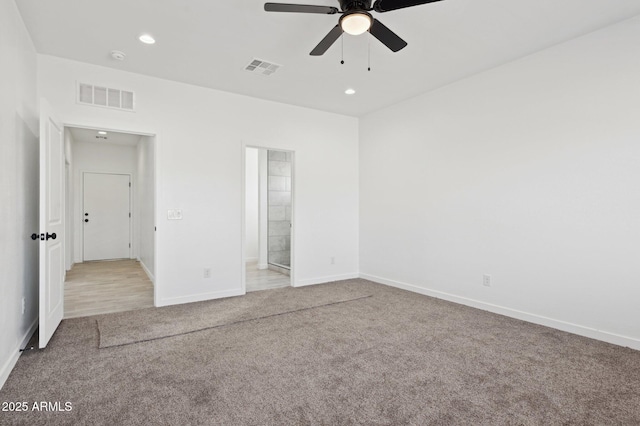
{"x": 207, "y": 273}
{"x": 486, "y": 280}
{"x": 332, "y": 260}
{"x": 24, "y": 305}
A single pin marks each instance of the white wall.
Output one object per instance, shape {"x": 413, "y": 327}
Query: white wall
{"x": 199, "y": 144}
{"x": 18, "y": 187}
{"x": 529, "y": 172}
{"x": 99, "y": 158}
{"x": 145, "y": 218}
{"x": 252, "y": 183}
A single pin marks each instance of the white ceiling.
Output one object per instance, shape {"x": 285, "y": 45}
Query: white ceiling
{"x": 114, "y": 138}
{"x": 208, "y": 43}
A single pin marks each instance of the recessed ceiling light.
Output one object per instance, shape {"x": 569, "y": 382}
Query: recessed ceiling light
{"x": 147, "y": 39}
{"x": 349, "y": 91}
{"x": 102, "y": 132}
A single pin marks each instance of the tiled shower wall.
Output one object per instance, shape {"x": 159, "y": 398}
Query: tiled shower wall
{"x": 279, "y": 201}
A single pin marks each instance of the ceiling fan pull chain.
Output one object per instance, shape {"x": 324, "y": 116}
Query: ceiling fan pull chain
{"x": 342, "y": 49}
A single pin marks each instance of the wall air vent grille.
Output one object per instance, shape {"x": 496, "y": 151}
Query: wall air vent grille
{"x": 107, "y": 97}
{"x": 258, "y": 66}
{"x": 85, "y": 93}
{"x": 100, "y": 96}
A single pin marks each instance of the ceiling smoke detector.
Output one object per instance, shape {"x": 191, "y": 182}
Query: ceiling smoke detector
{"x": 118, "y": 55}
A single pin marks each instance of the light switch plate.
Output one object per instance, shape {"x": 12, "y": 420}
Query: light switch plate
{"x": 174, "y": 214}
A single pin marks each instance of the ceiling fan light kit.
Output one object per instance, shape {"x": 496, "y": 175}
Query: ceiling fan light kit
{"x": 355, "y": 20}
{"x": 356, "y": 23}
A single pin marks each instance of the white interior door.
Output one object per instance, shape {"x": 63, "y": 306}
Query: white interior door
{"x": 51, "y": 223}
{"x": 106, "y": 216}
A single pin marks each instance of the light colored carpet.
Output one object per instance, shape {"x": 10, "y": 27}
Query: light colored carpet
{"x": 390, "y": 359}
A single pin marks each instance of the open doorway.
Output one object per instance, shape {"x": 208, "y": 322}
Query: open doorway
{"x": 110, "y": 221}
{"x": 268, "y": 218}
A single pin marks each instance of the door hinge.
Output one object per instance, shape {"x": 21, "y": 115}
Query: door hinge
{"x": 129, "y": 214}
{"x": 129, "y": 245}
{"x": 129, "y": 184}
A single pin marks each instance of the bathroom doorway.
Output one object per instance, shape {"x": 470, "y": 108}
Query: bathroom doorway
{"x": 268, "y": 218}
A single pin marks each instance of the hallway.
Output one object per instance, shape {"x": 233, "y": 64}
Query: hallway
{"x": 106, "y": 286}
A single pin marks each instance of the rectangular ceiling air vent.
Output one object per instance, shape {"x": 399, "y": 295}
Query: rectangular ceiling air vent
{"x": 107, "y": 97}
{"x": 258, "y": 66}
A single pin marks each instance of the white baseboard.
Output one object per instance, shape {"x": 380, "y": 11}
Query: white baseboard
{"x": 11, "y": 362}
{"x": 199, "y": 297}
{"x": 580, "y": 330}
{"x": 326, "y": 279}
{"x": 250, "y": 259}
{"x": 263, "y": 266}
{"x": 147, "y": 271}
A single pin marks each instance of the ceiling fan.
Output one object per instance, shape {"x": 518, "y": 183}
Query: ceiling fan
{"x": 355, "y": 19}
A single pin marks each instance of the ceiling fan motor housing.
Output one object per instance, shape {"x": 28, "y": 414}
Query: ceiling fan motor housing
{"x": 350, "y": 5}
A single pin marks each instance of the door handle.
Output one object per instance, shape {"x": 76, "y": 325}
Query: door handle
{"x": 44, "y": 237}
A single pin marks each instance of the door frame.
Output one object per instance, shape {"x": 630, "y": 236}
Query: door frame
{"x": 132, "y": 208}
{"x": 156, "y": 179}
{"x": 243, "y": 209}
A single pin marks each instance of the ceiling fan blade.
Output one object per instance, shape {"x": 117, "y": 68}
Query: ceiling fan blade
{"x": 299, "y": 8}
{"x": 327, "y": 41}
{"x": 386, "y": 36}
{"x": 388, "y": 5}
